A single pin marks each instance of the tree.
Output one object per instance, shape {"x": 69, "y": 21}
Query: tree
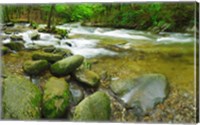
{"x": 50, "y": 16}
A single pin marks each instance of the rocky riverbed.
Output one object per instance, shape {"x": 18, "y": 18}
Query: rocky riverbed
{"x": 94, "y": 77}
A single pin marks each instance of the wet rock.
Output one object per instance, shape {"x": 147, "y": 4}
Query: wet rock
{"x": 3, "y": 37}
{"x": 4, "y": 50}
{"x": 67, "y": 65}
{"x": 16, "y": 37}
{"x": 21, "y": 99}
{"x": 49, "y": 49}
{"x": 76, "y": 93}
{"x": 34, "y": 36}
{"x": 56, "y": 97}
{"x": 10, "y": 24}
{"x": 58, "y": 36}
{"x": 35, "y": 67}
{"x": 88, "y": 77}
{"x": 51, "y": 57}
{"x": 17, "y": 46}
{"x": 95, "y": 107}
{"x": 64, "y": 52}
{"x": 143, "y": 92}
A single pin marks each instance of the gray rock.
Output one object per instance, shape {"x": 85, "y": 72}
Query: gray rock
{"x": 76, "y": 93}
{"x": 66, "y": 65}
{"x": 35, "y": 67}
{"x": 21, "y": 99}
{"x": 55, "y": 98}
{"x": 95, "y": 107}
{"x": 143, "y": 92}
{"x": 87, "y": 76}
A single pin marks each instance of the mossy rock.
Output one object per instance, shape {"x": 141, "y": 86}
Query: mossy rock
{"x": 64, "y": 52}
{"x": 95, "y": 107}
{"x": 49, "y": 49}
{"x": 67, "y": 65}
{"x": 56, "y": 97}
{"x": 17, "y": 46}
{"x": 35, "y": 67}
{"x": 21, "y": 99}
{"x": 16, "y": 37}
{"x": 87, "y": 76}
{"x": 51, "y": 57}
{"x": 4, "y": 50}
{"x": 34, "y": 36}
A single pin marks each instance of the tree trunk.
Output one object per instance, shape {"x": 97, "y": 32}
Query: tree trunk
{"x": 6, "y": 14}
{"x": 50, "y": 16}
{"x": 28, "y": 14}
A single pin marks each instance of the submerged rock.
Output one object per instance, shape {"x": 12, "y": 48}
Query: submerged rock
{"x": 35, "y": 67}
{"x": 67, "y": 65}
{"x": 34, "y": 36}
{"x": 17, "y": 46}
{"x": 56, "y": 97}
{"x": 95, "y": 107}
{"x": 21, "y": 99}
{"x": 76, "y": 93}
{"x": 16, "y": 37}
{"x": 87, "y": 76}
{"x": 51, "y": 57}
{"x": 143, "y": 92}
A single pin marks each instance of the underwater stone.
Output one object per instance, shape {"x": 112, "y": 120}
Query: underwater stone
{"x": 143, "y": 92}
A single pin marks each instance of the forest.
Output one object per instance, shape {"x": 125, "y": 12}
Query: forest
{"x": 100, "y": 62}
{"x": 156, "y": 17}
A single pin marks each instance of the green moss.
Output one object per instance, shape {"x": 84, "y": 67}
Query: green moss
{"x": 88, "y": 77}
{"x": 4, "y": 49}
{"x": 95, "y": 107}
{"x": 35, "y": 67}
{"x": 15, "y": 45}
{"x": 56, "y": 97}
{"x": 47, "y": 56}
{"x": 67, "y": 65}
{"x": 21, "y": 99}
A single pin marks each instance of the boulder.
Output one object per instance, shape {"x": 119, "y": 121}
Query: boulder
{"x": 55, "y": 98}
{"x": 21, "y": 99}
{"x": 49, "y": 49}
{"x": 35, "y": 67}
{"x": 4, "y": 49}
{"x": 16, "y": 37}
{"x": 64, "y": 52}
{"x": 17, "y": 46}
{"x": 58, "y": 36}
{"x": 34, "y": 35}
{"x": 87, "y": 76}
{"x": 67, "y": 65}
{"x": 95, "y": 107}
{"x": 143, "y": 92}
{"x": 51, "y": 57}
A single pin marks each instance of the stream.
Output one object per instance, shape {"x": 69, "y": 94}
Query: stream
{"x": 121, "y": 54}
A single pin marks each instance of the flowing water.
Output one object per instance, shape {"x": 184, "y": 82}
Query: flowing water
{"x": 124, "y": 53}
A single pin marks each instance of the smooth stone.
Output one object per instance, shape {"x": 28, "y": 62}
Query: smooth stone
{"x": 21, "y": 99}
{"x": 95, "y": 107}
{"x": 66, "y": 65}
{"x": 35, "y": 67}
{"x": 143, "y": 92}
{"x": 55, "y": 98}
{"x": 87, "y": 76}
{"x": 51, "y": 57}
